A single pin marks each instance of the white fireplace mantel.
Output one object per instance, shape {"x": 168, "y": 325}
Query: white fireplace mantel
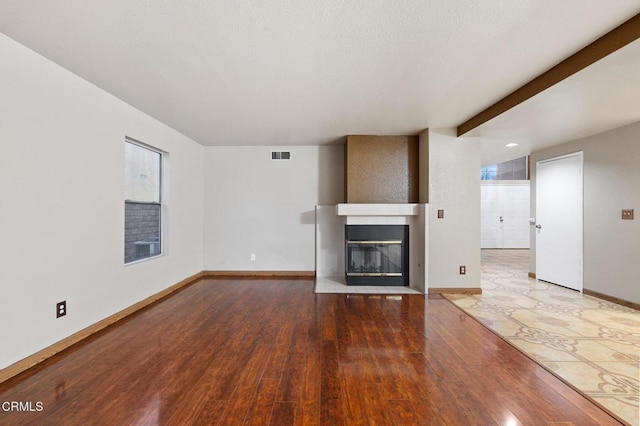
{"x": 353, "y": 209}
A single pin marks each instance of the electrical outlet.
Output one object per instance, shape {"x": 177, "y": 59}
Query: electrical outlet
{"x": 440, "y": 214}
{"x": 627, "y": 214}
{"x": 253, "y": 257}
{"x": 61, "y": 309}
{"x": 463, "y": 270}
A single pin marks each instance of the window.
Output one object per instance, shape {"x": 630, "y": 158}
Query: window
{"x": 489, "y": 172}
{"x": 142, "y": 202}
{"x": 509, "y": 170}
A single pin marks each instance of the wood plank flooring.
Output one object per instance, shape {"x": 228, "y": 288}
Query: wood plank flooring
{"x": 260, "y": 352}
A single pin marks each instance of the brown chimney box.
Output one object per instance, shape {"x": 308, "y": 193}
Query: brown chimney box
{"x": 381, "y": 169}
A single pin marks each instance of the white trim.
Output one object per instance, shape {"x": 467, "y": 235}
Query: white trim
{"x": 505, "y": 182}
{"x": 562, "y": 157}
{"x": 354, "y": 209}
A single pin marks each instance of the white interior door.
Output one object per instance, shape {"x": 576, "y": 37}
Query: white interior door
{"x": 491, "y": 211}
{"x": 515, "y": 215}
{"x": 559, "y": 211}
{"x": 504, "y": 215}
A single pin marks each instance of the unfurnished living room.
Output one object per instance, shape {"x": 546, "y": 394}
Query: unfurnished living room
{"x": 414, "y": 212}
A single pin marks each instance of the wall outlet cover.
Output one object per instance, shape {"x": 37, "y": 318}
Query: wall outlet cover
{"x": 61, "y": 309}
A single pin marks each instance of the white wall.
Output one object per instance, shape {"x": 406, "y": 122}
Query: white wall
{"x": 611, "y": 183}
{"x": 62, "y": 205}
{"x": 330, "y": 246}
{"x": 419, "y": 249}
{"x": 454, "y": 186}
{"x": 256, "y": 205}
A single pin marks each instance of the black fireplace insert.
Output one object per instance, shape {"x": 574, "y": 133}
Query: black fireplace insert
{"x": 377, "y": 255}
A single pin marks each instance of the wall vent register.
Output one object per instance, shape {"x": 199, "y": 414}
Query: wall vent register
{"x": 281, "y": 155}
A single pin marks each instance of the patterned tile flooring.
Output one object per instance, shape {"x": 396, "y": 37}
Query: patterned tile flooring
{"x": 592, "y": 344}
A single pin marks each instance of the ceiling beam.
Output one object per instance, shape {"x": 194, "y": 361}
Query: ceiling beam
{"x": 608, "y": 43}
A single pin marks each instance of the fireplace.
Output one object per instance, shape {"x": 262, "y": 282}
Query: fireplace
{"x": 377, "y": 255}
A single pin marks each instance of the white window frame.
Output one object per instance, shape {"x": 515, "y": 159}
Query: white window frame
{"x": 161, "y": 203}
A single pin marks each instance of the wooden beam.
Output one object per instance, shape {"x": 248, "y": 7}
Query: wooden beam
{"x": 615, "y": 39}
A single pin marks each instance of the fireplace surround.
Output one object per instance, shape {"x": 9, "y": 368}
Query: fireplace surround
{"x": 377, "y": 255}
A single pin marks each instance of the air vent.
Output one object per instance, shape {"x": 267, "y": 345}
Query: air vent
{"x": 281, "y": 155}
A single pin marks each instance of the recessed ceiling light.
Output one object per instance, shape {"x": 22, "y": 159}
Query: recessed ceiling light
{"x": 511, "y": 145}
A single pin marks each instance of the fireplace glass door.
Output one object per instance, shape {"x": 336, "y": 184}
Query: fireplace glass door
{"x": 374, "y": 258}
{"x": 377, "y": 255}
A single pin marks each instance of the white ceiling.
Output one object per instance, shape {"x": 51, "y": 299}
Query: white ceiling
{"x": 306, "y": 72}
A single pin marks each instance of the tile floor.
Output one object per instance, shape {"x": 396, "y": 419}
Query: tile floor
{"x": 592, "y": 344}
{"x": 338, "y": 285}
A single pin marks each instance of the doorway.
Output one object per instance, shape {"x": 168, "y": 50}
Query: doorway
{"x": 504, "y": 215}
{"x": 559, "y": 212}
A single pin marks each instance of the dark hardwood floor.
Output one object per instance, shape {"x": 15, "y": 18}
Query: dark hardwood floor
{"x": 235, "y": 351}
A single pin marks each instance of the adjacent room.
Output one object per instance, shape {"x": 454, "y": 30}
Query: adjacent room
{"x": 339, "y": 212}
